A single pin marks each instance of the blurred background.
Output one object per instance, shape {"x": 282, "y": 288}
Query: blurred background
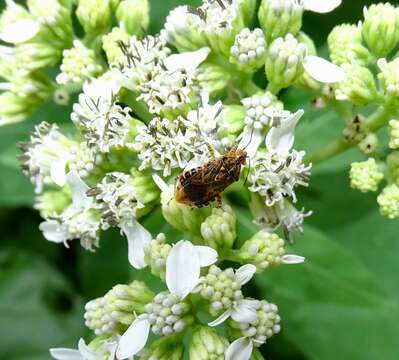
{"x": 342, "y": 304}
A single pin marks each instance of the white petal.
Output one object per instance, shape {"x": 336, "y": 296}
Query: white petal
{"x": 240, "y": 349}
{"x": 245, "y": 311}
{"x": 65, "y": 354}
{"x": 281, "y": 139}
{"x": 292, "y": 259}
{"x": 86, "y": 352}
{"x": 207, "y": 255}
{"x": 250, "y": 140}
{"x": 19, "y": 31}
{"x": 221, "y": 319}
{"x": 57, "y": 172}
{"x": 134, "y": 338}
{"x": 245, "y": 273}
{"x": 322, "y": 70}
{"x": 188, "y": 61}
{"x": 78, "y": 190}
{"x": 163, "y": 186}
{"x": 182, "y": 269}
{"x": 53, "y": 231}
{"x": 321, "y": 6}
{"x": 138, "y": 238}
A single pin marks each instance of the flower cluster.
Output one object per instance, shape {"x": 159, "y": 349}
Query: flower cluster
{"x": 146, "y": 116}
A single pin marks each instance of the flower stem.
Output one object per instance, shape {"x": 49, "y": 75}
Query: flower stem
{"x": 138, "y": 107}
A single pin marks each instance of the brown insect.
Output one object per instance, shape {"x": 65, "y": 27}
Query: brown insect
{"x": 200, "y": 186}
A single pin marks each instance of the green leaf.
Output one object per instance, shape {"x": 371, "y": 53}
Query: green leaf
{"x": 37, "y": 308}
{"x": 332, "y": 306}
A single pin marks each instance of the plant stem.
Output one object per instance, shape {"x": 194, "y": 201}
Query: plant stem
{"x": 138, "y": 107}
{"x": 375, "y": 121}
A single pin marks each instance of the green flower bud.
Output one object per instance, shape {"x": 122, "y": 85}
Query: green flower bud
{"x": 114, "y": 312}
{"x": 180, "y": 216}
{"x": 355, "y": 130}
{"x": 358, "y": 87}
{"x": 262, "y": 250}
{"x": 366, "y": 175}
{"x": 392, "y": 168}
{"x": 166, "y": 348}
{"x": 184, "y": 29}
{"x": 94, "y": 15}
{"x": 78, "y": 65}
{"x": 248, "y": 51}
{"x": 156, "y": 254}
{"x": 394, "y": 134}
{"x": 111, "y": 44}
{"x": 345, "y": 45}
{"x": 212, "y": 78}
{"x": 388, "y": 202}
{"x": 134, "y": 16}
{"x": 284, "y": 61}
{"x": 146, "y": 190}
{"x": 14, "y": 108}
{"x": 219, "y": 229}
{"x": 231, "y": 121}
{"x": 207, "y": 344}
{"x": 389, "y": 80}
{"x": 381, "y": 28}
{"x": 54, "y": 14}
{"x": 52, "y": 202}
{"x": 280, "y": 17}
{"x": 61, "y": 96}
{"x": 369, "y": 144}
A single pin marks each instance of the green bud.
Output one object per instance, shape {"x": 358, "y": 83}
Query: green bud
{"x": 134, "y": 16}
{"x": 219, "y": 229}
{"x": 156, "y": 254}
{"x": 369, "y": 144}
{"x": 14, "y": 108}
{"x": 284, "y": 62}
{"x": 231, "y": 121}
{"x": 52, "y": 202}
{"x": 381, "y": 28}
{"x": 388, "y": 202}
{"x": 146, "y": 190}
{"x": 111, "y": 46}
{"x": 280, "y": 17}
{"x": 165, "y": 348}
{"x": 207, "y": 344}
{"x": 248, "y": 51}
{"x": 94, "y": 15}
{"x": 262, "y": 250}
{"x": 355, "y": 130}
{"x": 181, "y": 216}
{"x": 389, "y": 80}
{"x": 345, "y": 45}
{"x": 78, "y": 65}
{"x": 358, "y": 87}
{"x": 392, "y": 168}
{"x": 366, "y": 175}
{"x": 212, "y": 78}
{"x": 394, "y": 134}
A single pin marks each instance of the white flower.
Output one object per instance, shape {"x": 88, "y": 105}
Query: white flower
{"x": 107, "y": 351}
{"x": 104, "y": 124}
{"x": 240, "y": 349}
{"x": 321, "y": 6}
{"x": 77, "y": 221}
{"x": 182, "y": 275}
{"x": 323, "y": 70}
{"x": 242, "y": 310}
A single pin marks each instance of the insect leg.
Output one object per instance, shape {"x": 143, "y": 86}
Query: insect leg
{"x": 218, "y": 198}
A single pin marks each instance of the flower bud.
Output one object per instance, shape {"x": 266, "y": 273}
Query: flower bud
{"x": 219, "y": 229}
{"x": 114, "y": 312}
{"x": 165, "y": 348}
{"x": 284, "y": 61}
{"x": 184, "y": 29}
{"x": 111, "y": 43}
{"x": 231, "y": 122}
{"x": 52, "y": 202}
{"x": 249, "y": 50}
{"x": 388, "y": 201}
{"x": 212, "y": 78}
{"x": 394, "y": 134}
{"x": 78, "y": 65}
{"x": 392, "y": 167}
{"x": 355, "y": 130}
{"x": 345, "y": 45}
{"x": 14, "y": 108}
{"x": 366, "y": 175}
{"x": 358, "y": 87}
{"x": 181, "y": 216}
{"x": 381, "y": 28}
{"x": 134, "y": 16}
{"x": 369, "y": 144}
{"x": 280, "y": 17}
{"x": 389, "y": 80}
{"x": 207, "y": 344}
{"x": 262, "y": 250}
{"x": 94, "y": 15}
{"x": 156, "y": 254}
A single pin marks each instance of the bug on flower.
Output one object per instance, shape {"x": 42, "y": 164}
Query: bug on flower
{"x": 202, "y": 185}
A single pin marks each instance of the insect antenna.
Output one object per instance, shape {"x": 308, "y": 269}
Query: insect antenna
{"x": 250, "y": 139}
